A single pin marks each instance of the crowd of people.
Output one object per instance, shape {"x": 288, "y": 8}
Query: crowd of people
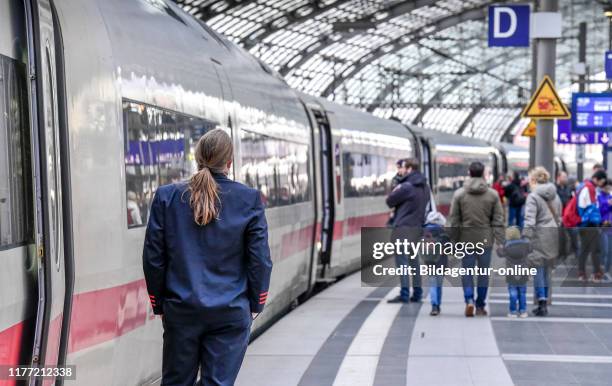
{"x": 525, "y": 219}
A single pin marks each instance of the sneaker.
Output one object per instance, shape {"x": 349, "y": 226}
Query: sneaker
{"x": 606, "y": 278}
{"x": 398, "y": 299}
{"x": 481, "y": 311}
{"x": 512, "y": 315}
{"x": 596, "y": 277}
{"x": 523, "y": 315}
{"x": 469, "y": 310}
{"x": 414, "y": 299}
{"x": 582, "y": 276}
{"x": 435, "y": 311}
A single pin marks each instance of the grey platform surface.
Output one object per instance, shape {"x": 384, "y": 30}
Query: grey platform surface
{"x": 349, "y": 335}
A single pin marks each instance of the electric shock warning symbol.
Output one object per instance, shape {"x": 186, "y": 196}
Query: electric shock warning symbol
{"x": 545, "y": 103}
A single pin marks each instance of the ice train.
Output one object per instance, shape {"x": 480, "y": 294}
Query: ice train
{"x": 103, "y": 101}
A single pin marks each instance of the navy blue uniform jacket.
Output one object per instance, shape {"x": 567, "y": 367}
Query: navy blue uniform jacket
{"x": 220, "y": 271}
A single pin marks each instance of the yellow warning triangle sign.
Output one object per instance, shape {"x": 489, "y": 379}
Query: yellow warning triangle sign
{"x": 530, "y": 130}
{"x": 545, "y": 103}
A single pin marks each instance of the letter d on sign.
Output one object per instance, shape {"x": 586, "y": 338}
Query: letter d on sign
{"x": 509, "y": 25}
{"x": 511, "y": 29}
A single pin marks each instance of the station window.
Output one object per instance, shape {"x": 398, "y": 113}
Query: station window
{"x": 159, "y": 150}
{"x": 16, "y": 218}
{"x": 367, "y": 174}
{"x": 276, "y": 167}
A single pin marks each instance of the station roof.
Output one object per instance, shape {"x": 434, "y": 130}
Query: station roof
{"x": 425, "y": 62}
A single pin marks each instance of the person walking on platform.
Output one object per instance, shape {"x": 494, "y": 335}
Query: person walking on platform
{"x": 590, "y": 220}
{"x": 564, "y": 191}
{"x": 207, "y": 267}
{"x": 409, "y": 199}
{"x": 516, "y": 251}
{"x": 605, "y": 208}
{"x": 542, "y": 222}
{"x": 515, "y": 193}
{"x": 476, "y": 211}
{"x": 434, "y": 233}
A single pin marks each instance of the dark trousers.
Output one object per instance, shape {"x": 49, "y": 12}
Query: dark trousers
{"x": 417, "y": 290}
{"x": 216, "y": 348}
{"x": 589, "y": 245}
{"x": 515, "y": 216}
{"x": 482, "y": 282}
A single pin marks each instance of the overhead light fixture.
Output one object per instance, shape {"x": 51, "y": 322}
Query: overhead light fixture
{"x": 608, "y": 12}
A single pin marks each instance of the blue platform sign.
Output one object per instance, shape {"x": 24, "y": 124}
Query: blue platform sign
{"x": 591, "y": 112}
{"x": 608, "y": 64}
{"x": 509, "y": 25}
{"x": 566, "y": 136}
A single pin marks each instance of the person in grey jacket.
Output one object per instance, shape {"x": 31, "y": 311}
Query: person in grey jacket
{"x": 541, "y": 227}
{"x": 476, "y": 215}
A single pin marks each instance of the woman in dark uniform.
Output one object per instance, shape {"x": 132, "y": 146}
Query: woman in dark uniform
{"x": 207, "y": 266}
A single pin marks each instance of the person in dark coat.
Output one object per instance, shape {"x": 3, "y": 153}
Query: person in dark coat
{"x": 516, "y": 195}
{"x": 564, "y": 191}
{"x": 207, "y": 267}
{"x": 409, "y": 200}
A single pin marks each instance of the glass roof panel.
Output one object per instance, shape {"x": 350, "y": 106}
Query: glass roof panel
{"x": 425, "y": 62}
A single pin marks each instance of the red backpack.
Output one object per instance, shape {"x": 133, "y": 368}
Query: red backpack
{"x": 571, "y": 218}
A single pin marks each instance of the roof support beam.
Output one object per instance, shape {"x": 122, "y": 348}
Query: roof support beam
{"x": 469, "y": 119}
{"x": 407, "y": 39}
{"x": 507, "y": 135}
{"x": 382, "y": 95}
{"x": 489, "y": 65}
{"x": 316, "y": 47}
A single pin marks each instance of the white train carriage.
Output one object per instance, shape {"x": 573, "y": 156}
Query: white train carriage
{"x": 446, "y": 157}
{"x": 515, "y": 158}
{"x": 363, "y": 151}
{"x": 119, "y": 93}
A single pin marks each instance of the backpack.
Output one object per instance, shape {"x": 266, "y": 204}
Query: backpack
{"x": 571, "y": 218}
{"x": 516, "y": 197}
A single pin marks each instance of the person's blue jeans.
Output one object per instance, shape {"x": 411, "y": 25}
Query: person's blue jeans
{"x": 515, "y": 216}
{"x": 435, "y": 289}
{"x": 518, "y": 294}
{"x": 606, "y": 249}
{"x": 540, "y": 283}
{"x": 405, "y": 279}
{"x": 470, "y": 261}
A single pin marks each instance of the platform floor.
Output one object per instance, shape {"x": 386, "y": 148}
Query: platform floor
{"x": 348, "y": 335}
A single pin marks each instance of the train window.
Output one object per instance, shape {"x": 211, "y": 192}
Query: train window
{"x": 159, "y": 146}
{"x": 367, "y": 174}
{"x": 16, "y": 218}
{"x": 276, "y": 167}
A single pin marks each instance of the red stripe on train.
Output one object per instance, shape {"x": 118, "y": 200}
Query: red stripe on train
{"x": 10, "y": 348}
{"x": 105, "y": 314}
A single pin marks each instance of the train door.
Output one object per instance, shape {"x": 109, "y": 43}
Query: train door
{"x": 426, "y": 164}
{"x": 315, "y": 168}
{"x": 17, "y": 252}
{"x": 328, "y": 200}
{"x": 47, "y": 167}
{"x": 495, "y": 165}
